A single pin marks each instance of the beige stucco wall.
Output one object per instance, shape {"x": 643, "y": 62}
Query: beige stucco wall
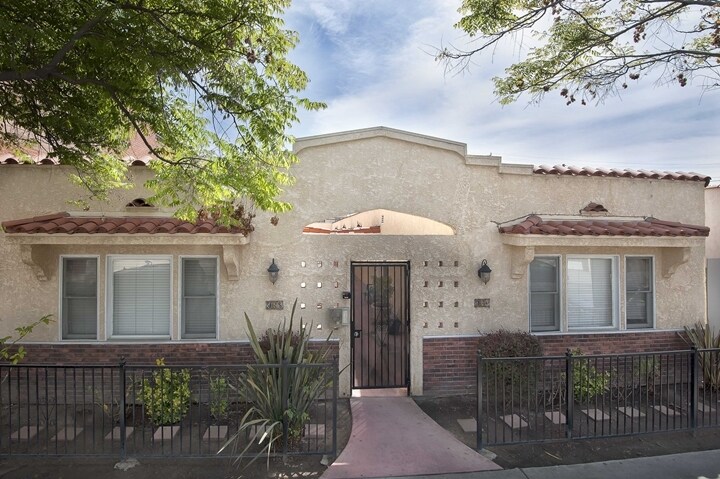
{"x": 338, "y": 175}
{"x": 712, "y": 219}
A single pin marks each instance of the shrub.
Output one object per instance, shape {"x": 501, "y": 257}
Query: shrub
{"x": 263, "y": 384}
{"x": 509, "y": 344}
{"x": 219, "y": 400}
{"x": 166, "y": 395}
{"x": 515, "y": 376}
{"x": 588, "y": 382}
{"x": 702, "y": 337}
{"x": 7, "y": 343}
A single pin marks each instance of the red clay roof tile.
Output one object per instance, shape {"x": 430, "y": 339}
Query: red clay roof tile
{"x": 534, "y": 224}
{"x": 63, "y": 223}
{"x": 627, "y": 173}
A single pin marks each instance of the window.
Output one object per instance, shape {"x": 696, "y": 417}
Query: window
{"x": 79, "y": 311}
{"x": 139, "y": 292}
{"x": 199, "y": 297}
{"x": 639, "y": 292}
{"x": 591, "y": 292}
{"x": 545, "y": 294}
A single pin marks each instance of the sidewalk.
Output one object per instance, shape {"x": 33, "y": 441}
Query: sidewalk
{"x": 689, "y": 465}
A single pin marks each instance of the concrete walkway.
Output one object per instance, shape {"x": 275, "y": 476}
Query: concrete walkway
{"x": 689, "y": 465}
{"x": 392, "y": 436}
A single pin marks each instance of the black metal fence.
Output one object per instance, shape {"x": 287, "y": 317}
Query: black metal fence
{"x": 142, "y": 411}
{"x": 565, "y": 397}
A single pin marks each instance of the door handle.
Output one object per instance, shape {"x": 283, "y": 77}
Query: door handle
{"x": 356, "y": 333}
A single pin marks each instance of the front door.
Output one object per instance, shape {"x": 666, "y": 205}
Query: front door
{"x": 380, "y": 324}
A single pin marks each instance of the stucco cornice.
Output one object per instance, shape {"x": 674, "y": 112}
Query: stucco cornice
{"x": 379, "y": 131}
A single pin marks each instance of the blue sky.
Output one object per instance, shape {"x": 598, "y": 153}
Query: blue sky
{"x": 372, "y": 62}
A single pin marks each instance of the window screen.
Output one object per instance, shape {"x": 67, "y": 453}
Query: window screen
{"x": 79, "y": 298}
{"x": 199, "y": 297}
{"x": 545, "y": 294}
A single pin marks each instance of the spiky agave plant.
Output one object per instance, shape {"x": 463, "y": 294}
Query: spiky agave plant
{"x": 277, "y": 389}
{"x": 702, "y": 337}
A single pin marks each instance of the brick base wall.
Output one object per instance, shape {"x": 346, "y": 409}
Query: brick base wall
{"x": 174, "y": 353}
{"x": 449, "y": 364}
{"x": 556, "y": 345}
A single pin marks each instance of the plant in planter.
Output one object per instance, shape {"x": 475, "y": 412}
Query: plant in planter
{"x": 588, "y": 382}
{"x": 279, "y": 393}
{"x": 219, "y": 398}
{"x": 166, "y": 395}
{"x": 702, "y": 337}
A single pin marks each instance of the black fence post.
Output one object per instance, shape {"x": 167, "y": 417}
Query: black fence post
{"x": 284, "y": 388}
{"x": 478, "y": 421}
{"x": 694, "y": 357}
{"x": 123, "y": 388}
{"x": 569, "y": 396}
{"x": 336, "y": 376}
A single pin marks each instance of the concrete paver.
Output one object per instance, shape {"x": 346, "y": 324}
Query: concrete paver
{"x": 392, "y": 436}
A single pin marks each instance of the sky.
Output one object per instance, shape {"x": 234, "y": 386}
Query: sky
{"x": 372, "y": 62}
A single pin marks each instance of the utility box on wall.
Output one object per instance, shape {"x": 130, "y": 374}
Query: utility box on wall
{"x": 340, "y": 316}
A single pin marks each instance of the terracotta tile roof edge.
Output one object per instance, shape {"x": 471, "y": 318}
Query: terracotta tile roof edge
{"x": 535, "y": 225}
{"x": 562, "y": 170}
{"x": 65, "y": 223}
{"x": 34, "y": 219}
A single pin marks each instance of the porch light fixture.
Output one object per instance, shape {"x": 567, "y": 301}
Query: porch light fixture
{"x": 273, "y": 271}
{"x": 484, "y": 272}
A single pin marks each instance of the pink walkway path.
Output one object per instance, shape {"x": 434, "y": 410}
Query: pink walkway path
{"x": 391, "y": 436}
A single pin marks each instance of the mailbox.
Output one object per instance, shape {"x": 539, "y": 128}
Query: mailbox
{"x": 340, "y": 316}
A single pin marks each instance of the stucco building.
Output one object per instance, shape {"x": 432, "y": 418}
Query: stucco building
{"x": 712, "y": 249}
{"x": 383, "y": 247}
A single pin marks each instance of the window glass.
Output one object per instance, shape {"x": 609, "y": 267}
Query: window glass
{"x": 590, "y": 293}
{"x": 140, "y": 296}
{"x": 639, "y": 294}
{"x": 545, "y": 294}
{"x": 199, "y": 297}
{"x": 79, "y": 298}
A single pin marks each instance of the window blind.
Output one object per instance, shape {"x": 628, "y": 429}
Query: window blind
{"x": 79, "y": 298}
{"x": 590, "y": 293}
{"x": 199, "y": 297}
{"x": 141, "y": 297}
{"x": 545, "y": 294}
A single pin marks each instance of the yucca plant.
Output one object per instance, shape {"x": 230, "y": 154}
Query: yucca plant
{"x": 702, "y": 337}
{"x": 278, "y": 392}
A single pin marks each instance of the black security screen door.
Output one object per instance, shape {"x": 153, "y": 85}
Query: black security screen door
{"x": 380, "y": 325}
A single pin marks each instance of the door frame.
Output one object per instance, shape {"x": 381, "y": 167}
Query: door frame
{"x": 406, "y": 265}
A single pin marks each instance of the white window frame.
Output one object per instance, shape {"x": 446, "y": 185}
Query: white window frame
{"x": 654, "y": 292}
{"x": 181, "y": 278}
{"x": 561, "y": 293}
{"x": 61, "y": 278}
{"x": 109, "y": 295}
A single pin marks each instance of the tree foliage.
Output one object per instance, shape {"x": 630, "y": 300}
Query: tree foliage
{"x": 210, "y": 78}
{"x": 588, "y": 49}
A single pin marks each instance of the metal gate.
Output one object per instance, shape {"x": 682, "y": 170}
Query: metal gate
{"x": 380, "y": 324}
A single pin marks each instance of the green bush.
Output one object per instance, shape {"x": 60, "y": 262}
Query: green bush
{"x": 588, "y": 382}
{"x": 513, "y": 378}
{"x": 263, "y": 384}
{"x": 166, "y": 395}
{"x": 509, "y": 344}
{"x": 219, "y": 400}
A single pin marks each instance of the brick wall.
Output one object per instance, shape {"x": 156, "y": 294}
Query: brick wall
{"x": 174, "y": 353}
{"x": 555, "y": 345}
{"x": 449, "y": 364}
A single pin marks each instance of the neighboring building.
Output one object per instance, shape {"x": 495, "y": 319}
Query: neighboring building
{"x": 712, "y": 253}
{"x": 391, "y": 225}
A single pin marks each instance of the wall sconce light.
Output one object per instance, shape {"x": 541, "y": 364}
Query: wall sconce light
{"x": 484, "y": 272}
{"x": 273, "y": 271}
